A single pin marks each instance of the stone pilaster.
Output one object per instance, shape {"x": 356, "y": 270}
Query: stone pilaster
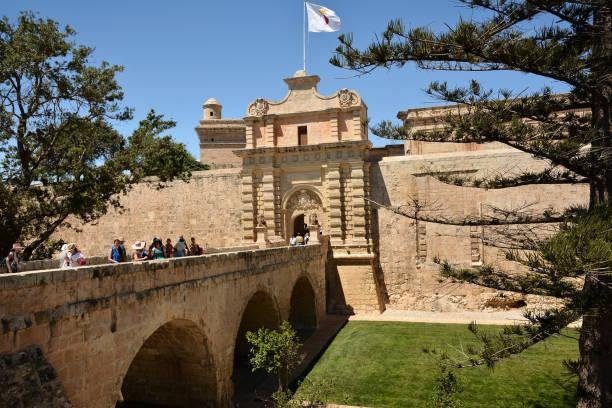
{"x": 334, "y": 195}
{"x": 333, "y": 125}
{"x": 367, "y": 205}
{"x": 267, "y": 199}
{"x": 345, "y": 202}
{"x": 358, "y": 213}
{"x": 278, "y": 210}
{"x": 268, "y": 136}
{"x": 249, "y": 134}
{"x": 356, "y": 125}
{"x": 248, "y": 209}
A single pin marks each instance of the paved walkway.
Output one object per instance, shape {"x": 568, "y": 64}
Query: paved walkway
{"x": 481, "y": 317}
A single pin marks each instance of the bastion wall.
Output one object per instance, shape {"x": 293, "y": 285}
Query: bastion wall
{"x": 208, "y": 208}
{"x": 407, "y": 249}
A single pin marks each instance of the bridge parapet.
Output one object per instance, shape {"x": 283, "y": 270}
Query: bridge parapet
{"x": 90, "y": 322}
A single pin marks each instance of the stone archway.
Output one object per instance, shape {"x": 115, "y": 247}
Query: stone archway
{"x": 303, "y": 312}
{"x": 172, "y": 368}
{"x": 260, "y": 311}
{"x": 303, "y": 203}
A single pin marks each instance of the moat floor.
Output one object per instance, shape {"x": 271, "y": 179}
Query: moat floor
{"x": 253, "y": 395}
{"x": 394, "y": 364}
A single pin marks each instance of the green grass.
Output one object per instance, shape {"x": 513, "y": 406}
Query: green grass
{"x": 383, "y": 364}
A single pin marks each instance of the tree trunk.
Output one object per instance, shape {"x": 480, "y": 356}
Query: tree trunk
{"x": 595, "y": 369}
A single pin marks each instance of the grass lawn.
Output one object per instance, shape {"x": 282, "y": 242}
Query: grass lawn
{"x": 382, "y": 364}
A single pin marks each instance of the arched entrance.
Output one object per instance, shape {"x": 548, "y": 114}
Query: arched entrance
{"x": 173, "y": 368}
{"x": 261, "y": 311}
{"x": 299, "y": 226}
{"x": 303, "y": 212}
{"x": 303, "y": 314}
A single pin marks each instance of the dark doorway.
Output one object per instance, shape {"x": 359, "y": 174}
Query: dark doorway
{"x": 299, "y": 227}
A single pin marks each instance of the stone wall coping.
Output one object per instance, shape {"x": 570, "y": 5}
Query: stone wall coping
{"x": 54, "y": 276}
{"x": 451, "y": 156}
{"x": 361, "y": 144}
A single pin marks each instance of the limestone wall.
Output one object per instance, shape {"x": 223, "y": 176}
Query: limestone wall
{"x": 207, "y": 208}
{"x": 91, "y": 322}
{"x": 407, "y": 248}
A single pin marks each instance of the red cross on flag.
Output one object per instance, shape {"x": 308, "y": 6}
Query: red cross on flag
{"x": 321, "y": 19}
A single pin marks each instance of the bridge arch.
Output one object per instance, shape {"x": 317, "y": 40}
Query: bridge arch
{"x": 173, "y": 367}
{"x": 261, "y": 310}
{"x": 303, "y": 307}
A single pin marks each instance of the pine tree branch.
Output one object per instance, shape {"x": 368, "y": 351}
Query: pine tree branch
{"x": 510, "y": 217}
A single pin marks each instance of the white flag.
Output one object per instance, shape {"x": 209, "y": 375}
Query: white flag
{"x": 321, "y": 19}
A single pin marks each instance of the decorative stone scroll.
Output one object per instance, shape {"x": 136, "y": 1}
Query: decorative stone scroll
{"x": 259, "y": 107}
{"x": 304, "y": 200}
{"x": 347, "y": 98}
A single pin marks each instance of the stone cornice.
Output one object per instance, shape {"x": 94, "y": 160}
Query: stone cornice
{"x": 359, "y": 144}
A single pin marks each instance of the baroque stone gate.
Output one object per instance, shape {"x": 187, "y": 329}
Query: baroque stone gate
{"x": 305, "y": 168}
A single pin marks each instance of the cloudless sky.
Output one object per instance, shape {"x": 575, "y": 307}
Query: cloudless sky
{"x": 179, "y": 53}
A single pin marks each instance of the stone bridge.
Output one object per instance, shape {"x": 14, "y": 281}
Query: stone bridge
{"x": 168, "y": 332}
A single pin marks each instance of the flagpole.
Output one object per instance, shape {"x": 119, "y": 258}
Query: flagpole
{"x": 304, "y": 33}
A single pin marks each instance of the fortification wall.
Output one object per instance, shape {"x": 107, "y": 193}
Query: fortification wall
{"x": 407, "y": 248}
{"x": 207, "y": 208}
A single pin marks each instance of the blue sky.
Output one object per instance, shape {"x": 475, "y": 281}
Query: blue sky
{"x": 178, "y": 54}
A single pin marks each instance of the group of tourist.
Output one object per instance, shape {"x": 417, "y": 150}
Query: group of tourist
{"x": 157, "y": 250}
{"x": 70, "y": 255}
{"x": 299, "y": 239}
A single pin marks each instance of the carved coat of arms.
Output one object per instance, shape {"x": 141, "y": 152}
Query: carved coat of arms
{"x": 347, "y": 98}
{"x": 303, "y": 200}
{"x": 259, "y": 107}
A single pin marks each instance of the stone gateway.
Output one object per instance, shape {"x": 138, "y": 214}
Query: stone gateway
{"x": 162, "y": 330}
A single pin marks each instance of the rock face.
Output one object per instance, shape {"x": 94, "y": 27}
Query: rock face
{"x": 27, "y": 380}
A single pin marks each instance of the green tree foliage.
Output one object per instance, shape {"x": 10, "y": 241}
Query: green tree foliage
{"x": 276, "y": 352}
{"x": 447, "y": 387}
{"x": 566, "y": 41}
{"x": 61, "y": 158}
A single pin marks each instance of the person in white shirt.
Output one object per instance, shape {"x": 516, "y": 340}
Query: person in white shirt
{"x": 63, "y": 261}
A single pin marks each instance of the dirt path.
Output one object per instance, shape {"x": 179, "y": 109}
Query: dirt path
{"x": 498, "y": 317}
{"x": 481, "y": 317}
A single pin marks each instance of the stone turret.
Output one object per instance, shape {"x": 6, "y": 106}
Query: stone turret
{"x": 219, "y": 137}
{"x": 212, "y": 109}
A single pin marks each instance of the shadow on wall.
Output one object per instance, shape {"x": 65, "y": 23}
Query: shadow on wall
{"x": 379, "y": 194}
{"x": 172, "y": 368}
{"x": 334, "y": 294}
{"x": 28, "y": 380}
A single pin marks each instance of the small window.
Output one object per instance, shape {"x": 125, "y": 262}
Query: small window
{"x": 302, "y": 135}
{"x": 212, "y": 140}
{"x": 211, "y": 113}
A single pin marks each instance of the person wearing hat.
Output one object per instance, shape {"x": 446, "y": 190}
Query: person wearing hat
{"x": 115, "y": 255}
{"x": 157, "y": 252}
{"x": 139, "y": 251}
{"x": 75, "y": 256}
{"x": 12, "y": 259}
